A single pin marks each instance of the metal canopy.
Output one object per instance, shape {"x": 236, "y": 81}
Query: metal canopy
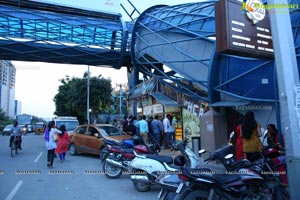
{"x": 165, "y": 100}
{"x": 32, "y": 31}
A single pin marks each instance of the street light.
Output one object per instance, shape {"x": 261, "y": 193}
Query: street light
{"x": 88, "y": 97}
{"x": 120, "y": 99}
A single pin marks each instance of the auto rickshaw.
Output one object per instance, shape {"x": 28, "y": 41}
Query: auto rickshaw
{"x": 39, "y": 128}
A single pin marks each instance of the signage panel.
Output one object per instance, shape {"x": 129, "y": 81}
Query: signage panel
{"x": 237, "y": 34}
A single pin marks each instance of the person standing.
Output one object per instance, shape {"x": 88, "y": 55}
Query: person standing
{"x": 49, "y": 136}
{"x": 251, "y": 132}
{"x": 157, "y": 128}
{"x": 168, "y": 133}
{"x": 239, "y": 155}
{"x": 173, "y": 123}
{"x": 62, "y": 143}
{"x": 130, "y": 128}
{"x": 143, "y": 128}
{"x": 125, "y": 123}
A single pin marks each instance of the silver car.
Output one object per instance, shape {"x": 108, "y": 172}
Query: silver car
{"x": 7, "y": 129}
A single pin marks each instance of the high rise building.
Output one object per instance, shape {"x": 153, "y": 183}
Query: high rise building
{"x": 7, "y": 87}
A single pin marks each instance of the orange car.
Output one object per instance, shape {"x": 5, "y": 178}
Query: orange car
{"x": 87, "y": 138}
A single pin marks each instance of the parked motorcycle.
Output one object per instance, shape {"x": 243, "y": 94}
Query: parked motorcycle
{"x": 146, "y": 168}
{"x": 117, "y": 156}
{"x": 242, "y": 183}
{"x": 243, "y": 180}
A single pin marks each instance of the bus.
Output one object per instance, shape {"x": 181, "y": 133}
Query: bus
{"x": 27, "y": 122}
{"x": 70, "y": 122}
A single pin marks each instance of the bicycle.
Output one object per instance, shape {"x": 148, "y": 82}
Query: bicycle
{"x": 14, "y": 147}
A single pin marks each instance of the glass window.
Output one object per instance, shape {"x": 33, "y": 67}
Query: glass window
{"x": 111, "y": 130}
{"x": 92, "y": 131}
{"x": 81, "y": 130}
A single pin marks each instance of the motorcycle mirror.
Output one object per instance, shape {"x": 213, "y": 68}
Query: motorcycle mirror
{"x": 231, "y": 135}
{"x": 228, "y": 156}
{"x": 201, "y": 151}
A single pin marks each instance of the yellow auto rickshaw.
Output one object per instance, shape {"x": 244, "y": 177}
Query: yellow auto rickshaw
{"x": 39, "y": 128}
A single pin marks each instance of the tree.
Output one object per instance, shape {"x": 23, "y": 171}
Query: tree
{"x": 4, "y": 119}
{"x": 71, "y": 99}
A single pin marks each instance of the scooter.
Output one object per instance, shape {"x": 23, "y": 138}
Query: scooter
{"x": 146, "y": 168}
{"x": 118, "y": 156}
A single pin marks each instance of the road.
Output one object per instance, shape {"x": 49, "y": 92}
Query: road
{"x": 26, "y": 176}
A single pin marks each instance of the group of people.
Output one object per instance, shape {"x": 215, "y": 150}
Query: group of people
{"x": 57, "y": 141}
{"x": 157, "y": 128}
{"x": 248, "y": 143}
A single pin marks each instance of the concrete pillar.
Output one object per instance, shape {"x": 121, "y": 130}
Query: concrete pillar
{"x": 213, "y": 130}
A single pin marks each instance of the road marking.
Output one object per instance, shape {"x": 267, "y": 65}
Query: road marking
{"x": 38, "y": 157}
{"x": 14, "y": 191}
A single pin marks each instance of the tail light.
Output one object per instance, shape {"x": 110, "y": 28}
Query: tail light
{"x": 182, "y": 177}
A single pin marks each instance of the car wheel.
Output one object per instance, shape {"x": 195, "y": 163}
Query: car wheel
{"x": 73, "y": 150}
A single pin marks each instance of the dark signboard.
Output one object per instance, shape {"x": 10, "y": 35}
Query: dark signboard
{"x": 237, "y": 34}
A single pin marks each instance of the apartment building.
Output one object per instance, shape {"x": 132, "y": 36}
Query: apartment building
{"x": 7, "y": 87}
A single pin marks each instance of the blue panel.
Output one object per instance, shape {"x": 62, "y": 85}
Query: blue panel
{"x": 254, "y": 82}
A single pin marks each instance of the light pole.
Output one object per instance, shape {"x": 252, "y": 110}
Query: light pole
{"x": 88, "y": 97}
{"x": 120, "y": 99}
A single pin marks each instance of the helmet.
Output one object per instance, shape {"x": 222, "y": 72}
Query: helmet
{"x": 179, "y": 160}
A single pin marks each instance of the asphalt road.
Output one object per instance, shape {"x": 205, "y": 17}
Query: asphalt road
{"x": 26, "y": 176}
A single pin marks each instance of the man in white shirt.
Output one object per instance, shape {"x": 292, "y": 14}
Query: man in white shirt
{"x": 168, "y": 133}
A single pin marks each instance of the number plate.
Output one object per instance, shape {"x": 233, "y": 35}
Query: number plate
{"x": 179, "y": 188}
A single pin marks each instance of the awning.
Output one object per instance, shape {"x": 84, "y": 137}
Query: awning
{"x": 230, "y": 103}
{"x": 165, "y": 100}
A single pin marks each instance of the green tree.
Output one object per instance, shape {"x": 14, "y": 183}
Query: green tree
{"x": 71, "y": 99}
{"x": 4, "y": 119}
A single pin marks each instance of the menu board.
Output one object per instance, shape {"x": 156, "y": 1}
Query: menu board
{"x": 237, "y": 34}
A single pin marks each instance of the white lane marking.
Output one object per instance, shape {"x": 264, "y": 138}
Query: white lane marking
{"x": 14, "y": 191}
{"x": 38, "y": 157}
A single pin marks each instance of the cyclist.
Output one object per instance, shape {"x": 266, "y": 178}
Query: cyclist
{"x": 16, "y": 132}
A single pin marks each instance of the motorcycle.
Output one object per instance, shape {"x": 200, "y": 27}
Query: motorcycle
{"x": 241, "y": 181}
{"x": 146, "y": 168}
{"x": 118, "y": 156}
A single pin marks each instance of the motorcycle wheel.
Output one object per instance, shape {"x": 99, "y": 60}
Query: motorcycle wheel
{"x": 141, "y": 186}
{"x": 111, "y": 171}
{"x": 197, "y": 195}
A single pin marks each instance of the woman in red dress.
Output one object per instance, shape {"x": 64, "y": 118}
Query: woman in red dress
{"x": 239, "y": 154}
{"x": 62, "y": 143}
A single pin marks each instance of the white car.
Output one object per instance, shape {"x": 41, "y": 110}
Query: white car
{"x": 7, "y": 129}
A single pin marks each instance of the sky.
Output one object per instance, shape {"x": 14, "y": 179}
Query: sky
{"x": 37, "y": 82}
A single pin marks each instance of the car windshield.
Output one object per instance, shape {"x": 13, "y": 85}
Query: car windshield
{"x": 110, "y": 130}
{"x": 70, "y": 125}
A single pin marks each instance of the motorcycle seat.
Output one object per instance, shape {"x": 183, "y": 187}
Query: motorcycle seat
{"x": 166, "y": 159}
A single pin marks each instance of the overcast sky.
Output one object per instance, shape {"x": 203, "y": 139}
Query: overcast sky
{"x": 37, "y": 82}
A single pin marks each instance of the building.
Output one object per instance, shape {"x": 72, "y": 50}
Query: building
{"x": 7, "y": 87}
{"x": 18, "y": 107}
